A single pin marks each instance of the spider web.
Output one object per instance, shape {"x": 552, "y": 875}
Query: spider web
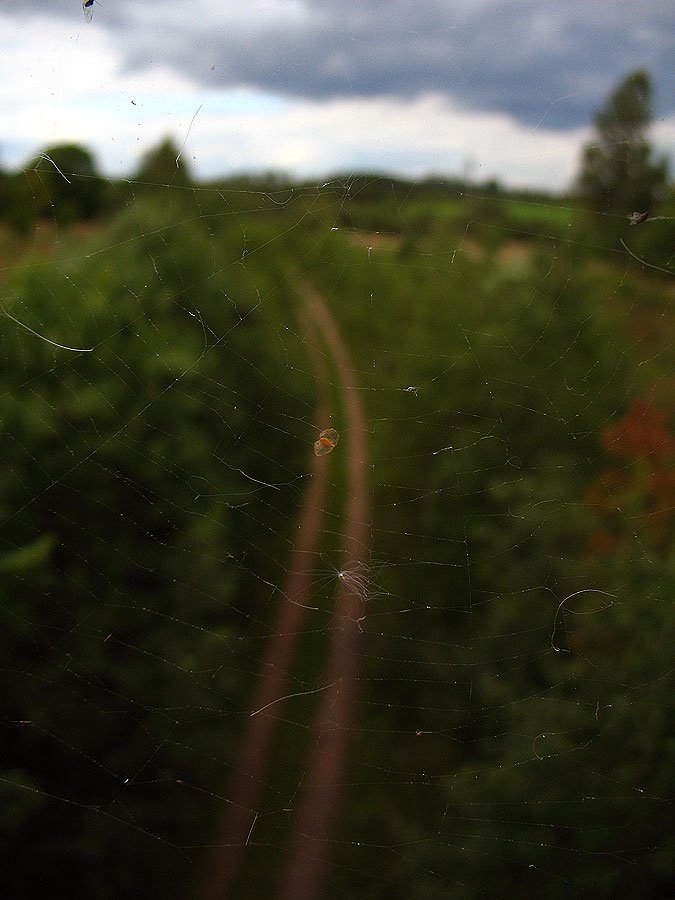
{"x": 431, "y": 662}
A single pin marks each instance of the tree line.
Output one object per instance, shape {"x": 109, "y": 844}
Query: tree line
{"x": 619, "y": 172}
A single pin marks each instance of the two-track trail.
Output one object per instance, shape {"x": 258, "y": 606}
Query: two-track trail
{"x": 322, "y": 787}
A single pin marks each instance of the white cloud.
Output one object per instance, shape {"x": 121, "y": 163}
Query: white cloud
{"x": 413, "y": 138}
{"x": 663, "y": 137}
{"x": 61, "y": 81}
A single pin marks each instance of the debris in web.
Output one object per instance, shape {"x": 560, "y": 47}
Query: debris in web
{"x": 48, "y": 340}
{"x": 326, "y": 442}
{"x": 48, "y": 158}
{"x": 180, "y": 152}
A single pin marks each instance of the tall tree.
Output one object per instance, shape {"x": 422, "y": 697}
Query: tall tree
{"x": 164, "y": 164}
{"x": 64, "y": 182}
{"x": 618, "y": 171}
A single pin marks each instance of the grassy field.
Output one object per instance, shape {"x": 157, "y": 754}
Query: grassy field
{"x": 515, "y": 361}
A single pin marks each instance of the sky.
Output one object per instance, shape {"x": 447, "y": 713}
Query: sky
{"x": 481, "y": 89}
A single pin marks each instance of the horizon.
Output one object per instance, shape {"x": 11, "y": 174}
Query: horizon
{"x": 475, "y": 91}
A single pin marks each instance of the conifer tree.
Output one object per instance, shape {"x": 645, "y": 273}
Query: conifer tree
{"x": 618, "y": 171}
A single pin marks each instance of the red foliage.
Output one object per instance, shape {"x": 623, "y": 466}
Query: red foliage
{"x": 642, "y": 434}
{"x": 640, "y": 495}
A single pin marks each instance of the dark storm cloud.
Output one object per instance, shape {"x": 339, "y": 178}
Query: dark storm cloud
{"x": 545, "y": 62}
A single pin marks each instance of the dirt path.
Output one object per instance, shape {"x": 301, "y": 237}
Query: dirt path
{"x": 248, "y": 776}
{"x": 323, "y": 787}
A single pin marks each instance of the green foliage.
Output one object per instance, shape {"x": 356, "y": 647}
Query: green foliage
{"x": 132, "y": 552}
{"x": 618, "y": 173}
{"x": 64, "y": 184}
{"x": 514, "y": 716}
{"x": 479, "y": 476}
{"x": 164, "y": 164}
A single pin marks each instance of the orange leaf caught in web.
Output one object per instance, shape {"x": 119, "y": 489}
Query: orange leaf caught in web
{"x": 326, "y": 442}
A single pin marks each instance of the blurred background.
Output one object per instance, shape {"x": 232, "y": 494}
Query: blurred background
{"x": 437, "y": 660}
